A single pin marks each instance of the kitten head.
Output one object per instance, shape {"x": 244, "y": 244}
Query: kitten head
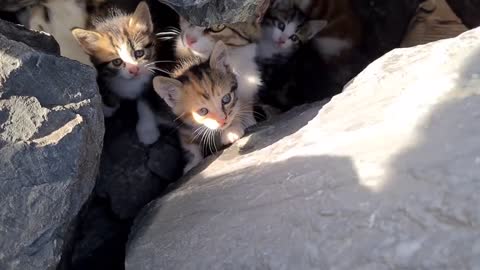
{"x": 200, "y": 41}
{"x": 203, "y": 93}
{"x": 121, "y": 45}
{"x": 288, "y": 28}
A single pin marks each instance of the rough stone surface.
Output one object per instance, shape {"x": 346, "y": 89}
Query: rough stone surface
{"x": 208, "y": 12}
{"x": 15, "y": 5}
{"x": 385, "y": 176}
{"x": 41, "y": 42}
{"x": 467, "y": 11}
{"x": 51, "y": 131}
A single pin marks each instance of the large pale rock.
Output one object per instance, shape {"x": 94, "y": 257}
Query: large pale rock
{"x": 385, "y": 176}
{"x": 51, "y": 131}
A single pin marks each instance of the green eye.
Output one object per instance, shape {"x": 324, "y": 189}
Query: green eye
{"x": 202, "y": 111}
{"x": 217, "y": 28}
{"x": 117, "y": 62}
{"x": 226, "y": 99}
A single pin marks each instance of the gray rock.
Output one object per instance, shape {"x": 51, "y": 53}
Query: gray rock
{"x": 16, "y": 5}
{"x": 467, "y": 11}
{"x": 41, "y": 42}
{"x": 208, "y": 12}
{"x": 51, "y": 131}
{"x": 385, "y": 176}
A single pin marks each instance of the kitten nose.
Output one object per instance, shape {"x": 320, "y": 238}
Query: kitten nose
{"x": 221, "y": 122}
{"x": 190, "y": 40}
{"x": 281, "y": 41}
{"x": 133, "y": 70}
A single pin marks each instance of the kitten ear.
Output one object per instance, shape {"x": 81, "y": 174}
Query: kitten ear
{"x": 141, "y": 18}
{"x": 168, "y": 89}
{"x": 311, "y": 28}
{"x": 87, "y": 39}
{"x": 219, "y": 57}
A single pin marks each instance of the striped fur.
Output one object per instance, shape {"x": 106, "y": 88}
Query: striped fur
{"x": 204, "y": 97}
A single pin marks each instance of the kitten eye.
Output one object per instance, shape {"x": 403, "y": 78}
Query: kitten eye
{"x": 139, "y": 53}
{"x": 202, "y": 111}
{"x": 117, "y": 62}
{"x": 217, "y": 28}
{"x": 294, "y": 38}
{"x": 226, "y": 99}
{"x": 281, "y": 25}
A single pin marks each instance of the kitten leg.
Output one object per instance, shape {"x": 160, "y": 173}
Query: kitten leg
{"x": 147, "y": 129}
{"x": 196, "y": 155}
{"x": 109, "y": 111}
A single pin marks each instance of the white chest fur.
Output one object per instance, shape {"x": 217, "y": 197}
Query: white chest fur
{"x": 129, "y": 88}
{"x": 245, "y": 68}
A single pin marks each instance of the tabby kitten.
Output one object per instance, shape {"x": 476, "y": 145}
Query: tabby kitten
{"x": 122, "y": 48}
{"x": 204, "y": 97}
{"x": 240, "y": 39}
{"x": 285, "y": 28}
{"x": 344, "y": 30}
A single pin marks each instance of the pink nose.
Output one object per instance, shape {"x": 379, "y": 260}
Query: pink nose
{"x": 133, "y": 70}
{"x": 281, "y": 41}
{"x": 190, "y": 40}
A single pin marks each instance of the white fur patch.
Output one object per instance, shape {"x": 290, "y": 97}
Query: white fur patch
{"x": 242, "y": 60}
{"x": 147, "y": 130}
{"x": 129, "y": 88}
{"x": 125, "y": 55}
{"x": 329, "y": 47}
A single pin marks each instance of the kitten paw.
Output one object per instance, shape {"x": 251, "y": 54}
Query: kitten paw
{"x": 191, "y": 164}
{"x": 109, "y": 111}
{"x": 147, "y": 135}
{"x": 232, "y": 135}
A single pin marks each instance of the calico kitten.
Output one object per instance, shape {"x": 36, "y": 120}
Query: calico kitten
{"x": 122, "y": 48}
{"x": 284, "y": 29}
{"x": 344, "y": 30}
{"x": 204, "y": 97}
{"x": 240, "y": 39}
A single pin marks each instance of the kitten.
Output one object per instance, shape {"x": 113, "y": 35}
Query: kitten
{"x": 122, "y": 48}
{"x": 344, "y": 30}
{"x": 240, "y": 39}
{"x": 204, "y": 96}
{"x": 58, "y": 17}
{"x": 284, "y": 29}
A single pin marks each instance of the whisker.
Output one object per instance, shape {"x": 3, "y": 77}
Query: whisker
{"x": 159, "y": 69}
{"x": 167, "y": 33}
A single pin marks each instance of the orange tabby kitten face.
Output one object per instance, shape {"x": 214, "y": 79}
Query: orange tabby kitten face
{"x": 122, "y": 45}
{"x": 203, "y": 94}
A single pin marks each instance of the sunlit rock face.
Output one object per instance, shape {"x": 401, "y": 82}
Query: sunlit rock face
{"x": 384, "y": 176}
{"x": 51, "y": 135}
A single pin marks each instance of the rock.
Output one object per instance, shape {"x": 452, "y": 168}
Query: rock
{"x": 131, "y": 175}
{"x": 16, "y": 5}
{"x": 51, "y": 130}
{"x": 208, "y": 12}
{"x": 467, "y": 10}
{"x": 385, "y": 176}
{"x": 41, "y": 42}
